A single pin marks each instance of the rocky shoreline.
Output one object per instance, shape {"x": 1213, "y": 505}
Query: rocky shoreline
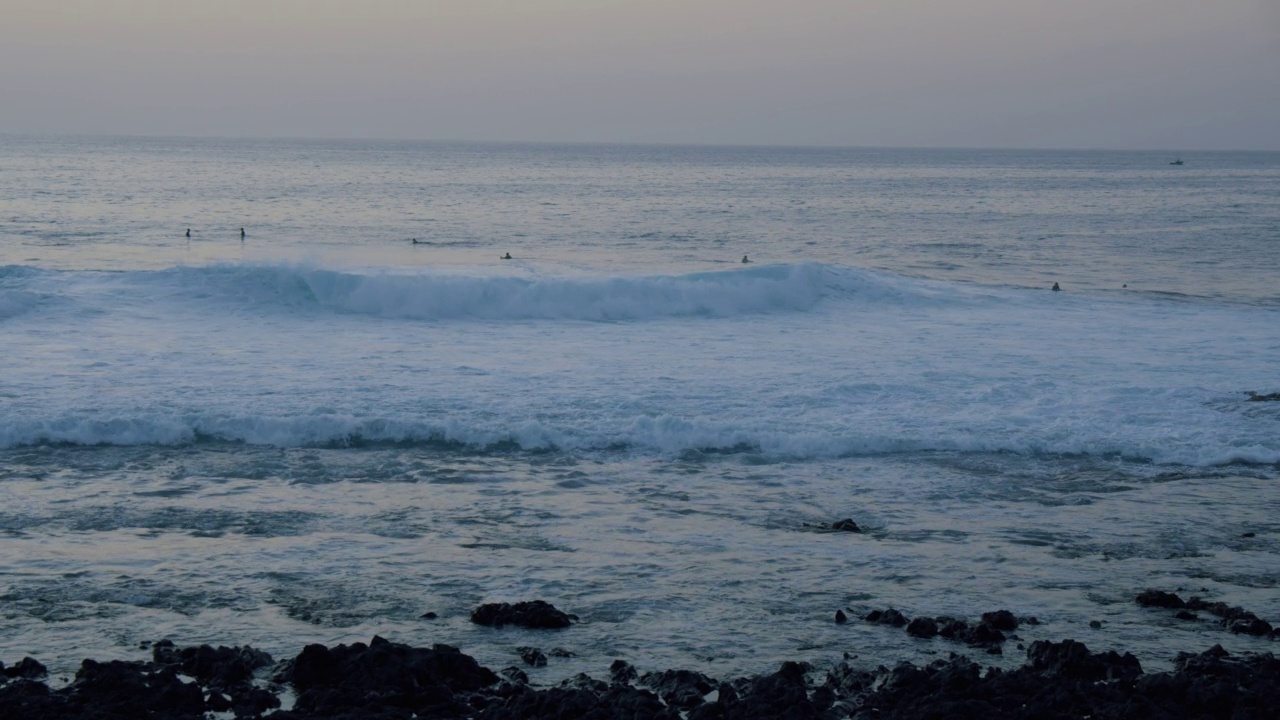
{"x": 387, "y": 680}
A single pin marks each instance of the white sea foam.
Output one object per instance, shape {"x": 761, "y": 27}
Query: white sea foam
{"x": 790, "y": 361}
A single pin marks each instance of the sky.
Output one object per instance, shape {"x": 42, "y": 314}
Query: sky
{"x": 1140, "y": 74}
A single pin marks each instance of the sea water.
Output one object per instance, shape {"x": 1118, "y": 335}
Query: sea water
{"x": 325, "y": 430}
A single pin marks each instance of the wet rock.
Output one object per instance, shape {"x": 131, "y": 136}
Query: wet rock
{"x": 1185, "y": 615}
{"x": 515, "y": 675}
{"x": 535, "y": 614}
{"x": 1250, "y": 626}
{"x": 846, "y": 525}
{"x": 886, "y": 617}
{"x": 1161, "y": 599}
{"x": 1072, "y": 659}
{"x": 1248, "y": 534}
{"x": 951, "y": 628}
{"x": 1269, "y": 397}
{"x": 682, "y": 689}
{"x": 532, "y": 656}
{"x": 1001, "y": 620}
{"x": 922, "y": 628}
{"x": 383, "y": 675}
{"x": 784, "y": 694}
{"x": 27, "y": 667}
{"x": 1031, "y": 620}
{"x": 221, "y": 668}
{"x": 1095, "y": 624}
{"x": 621, "y": 672}
{"x": 841, "y": 618}
{"x": 428, "y": 616}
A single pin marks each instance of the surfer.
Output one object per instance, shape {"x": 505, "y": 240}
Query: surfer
{"x": 415, "y": 241}
{"x": 745, "y": 260}
{"x": 1055, "y": 287}
{"x": 188, "y": 232}
{"x": 506, "y": 257}
{"x": 241, "y": 234}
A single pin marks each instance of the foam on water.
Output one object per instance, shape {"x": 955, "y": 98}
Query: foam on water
{"x": 785, "y": 361}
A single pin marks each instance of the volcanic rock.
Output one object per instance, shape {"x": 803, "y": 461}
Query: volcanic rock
{"x": 536, "y": 614}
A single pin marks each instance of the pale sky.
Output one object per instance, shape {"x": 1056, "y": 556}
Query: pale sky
{"x": 1160, "y": 74}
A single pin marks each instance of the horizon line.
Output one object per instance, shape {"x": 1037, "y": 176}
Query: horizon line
{"x": 628, "y": 143}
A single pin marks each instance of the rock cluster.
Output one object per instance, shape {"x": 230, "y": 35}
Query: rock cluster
{"x": 988, "y": 633}
{"x": 1235, "y": 619}
{"x": 385, "y": 681}
{"x": 536, "y": 614}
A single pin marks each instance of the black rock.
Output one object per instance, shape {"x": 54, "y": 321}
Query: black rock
{"x": 841, "y": 618}
{"x": 922, "y": 627}
{"x": 221, "y": 668}
{"x": 515, "y": 675}
{"x": 886, "y": 617}
{"x": 1158, "y": 598}
{"x": 381, "y": 675}
{"x": 1001, "y": 620}
{"x": 846, "y": 525}
{"x": 1073, "y": 660}
{"x": 535, "y": 614}
{"x": 428, "y": 616}
{"x": 1248, "y": 535}
{"x": 1095, "y": 624}
{"x": 532, "y": 656}
{"x": 560, "y": 652}
{"x": 1186, "y": 615}
{"x": 1269, "y": 397}
{"x": 27, "y": 667}
{"x": 682, "y": 689}
{"x": 621, "y": 672}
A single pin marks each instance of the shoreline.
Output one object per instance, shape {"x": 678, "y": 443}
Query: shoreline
{"x": 383, "y": 679}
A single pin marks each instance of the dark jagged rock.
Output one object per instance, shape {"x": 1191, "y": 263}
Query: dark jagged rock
{"x": 682, "y": 689}
{"x": 922, "y": 628}
{"x": 846, "y": 525}
{"x": 1186, "y": 615}
{"x": 1235, "y": 619}
{"x": 784, "y": 694}
{"x": 382, "y": 675}
{"x": 1073, "y": 660}
{"x": 28, "y": 668}
{"x": 621, "y": 672}
{"x": 220, "y": 668}
{"x": 560, "y": 652}
{"x": 1250, "y": 626}
{"x": 387, "y": 681}
{"x": 428, "y": 616}
{"x": 536, "y": 614}
{"x": 1160, "y": 599}
{"x": 886, "y": 617}
{"x": 515, "y": 675}
{"x": 1001, "y": 620}
{"x": 952, "y": 628}
{"x": 841, "y": 618}
{"x": 532, "y": 656}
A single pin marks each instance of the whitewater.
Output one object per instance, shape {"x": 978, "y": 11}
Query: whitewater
{"x": 326, "y": 430}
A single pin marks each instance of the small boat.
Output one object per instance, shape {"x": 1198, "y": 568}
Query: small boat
{"x": 1176, "y": 162}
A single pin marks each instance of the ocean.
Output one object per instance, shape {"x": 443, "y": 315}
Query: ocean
{"x": 326, "y": 430}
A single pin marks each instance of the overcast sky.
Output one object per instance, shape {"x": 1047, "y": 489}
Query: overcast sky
{"x": 1166, "y": 74}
